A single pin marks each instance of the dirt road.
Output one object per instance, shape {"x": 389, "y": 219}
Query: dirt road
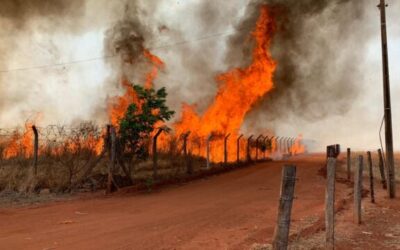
{"x": 229, "y": 211}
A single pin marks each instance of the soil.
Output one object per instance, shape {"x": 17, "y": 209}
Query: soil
{"x": 234, "y": 210}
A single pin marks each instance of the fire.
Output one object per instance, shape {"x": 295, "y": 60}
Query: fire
{"x": 118, "y": 105}
{"x": 298, "y": 147}
{"x": 20, "y": 144}
{"x": 239, "y": 90}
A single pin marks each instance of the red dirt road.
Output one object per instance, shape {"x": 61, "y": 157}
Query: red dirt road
{"x": 229, "y": 211}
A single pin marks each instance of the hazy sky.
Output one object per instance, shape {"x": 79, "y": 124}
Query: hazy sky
{"x": 74, "y": 92}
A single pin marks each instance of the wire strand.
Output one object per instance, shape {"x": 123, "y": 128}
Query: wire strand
{"x": 112, "y": 56}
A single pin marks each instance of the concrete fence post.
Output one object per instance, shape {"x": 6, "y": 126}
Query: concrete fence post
{"x": 111, "y": 165}
{"x": 226, "y": 149}
{"x": 249, "y": 148}
{"x": 35, "y": 149}
{"x": 155, "y": 153}
{"x": 189, "y": 169}
{"x": 208, "y": 150}
{"x": 258, "y": 145}
{"x": 238, "y": 148}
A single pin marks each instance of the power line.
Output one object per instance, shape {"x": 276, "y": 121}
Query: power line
{"x": 112, "y": 56}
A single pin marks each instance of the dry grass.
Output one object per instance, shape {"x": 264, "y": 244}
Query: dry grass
{"x": 375, "y": 164}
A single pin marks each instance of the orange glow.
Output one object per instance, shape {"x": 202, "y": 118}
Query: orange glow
{"x": 298, "y": 147}
{"x": 118, "y": 105}
{"x": 20, "y": 144}
{"x": 239, "y": 90}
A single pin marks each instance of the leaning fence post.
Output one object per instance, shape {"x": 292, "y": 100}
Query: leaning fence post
{"x": 189, "y": 169}
{"x": 371, "y": 177}
{"x": 111, "y": 165}
{"x": 281, "y": 233}
{"x": 238, "y": 148}
{"x": 358, "y": 190}
{"x": 382, "y": 169}
{"x": 208, "y": 150}
{"x": 226, "y": 149}
{"x": 155, "y": 153}
{"x": 348, "y": 163}
{"x": 248, "y": 148}
{"x": 330, "y": 199}
{"x": 257, "y": 145}
{"x": 35, "y": 148}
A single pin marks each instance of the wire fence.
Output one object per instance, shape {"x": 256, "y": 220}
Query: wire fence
{"x": 66, "y": 157}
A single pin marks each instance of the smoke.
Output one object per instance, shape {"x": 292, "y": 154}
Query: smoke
{"x": 309, "y": 37}
{"x": 22, "y": 22}
{"x": 321, "y": 49}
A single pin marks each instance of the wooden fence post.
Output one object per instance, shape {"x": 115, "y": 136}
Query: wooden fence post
{"x": 281, "y": 233}
{"x": 155, "y": 153}
{"x": 371, "y": 177}
{"x": 248, "y": 148}
{"x": 348, "y": 163}
{"x": 111, "y": 165}
{"x": 35, "y": 149}
{"x": 208, "y": 150}
{"x": 330, "y": 200}
{"x": 238, "y": 149}
{"x": 226, "y": 149}
{"x": 382, "y": 169}
{"x": 358, "y": 190}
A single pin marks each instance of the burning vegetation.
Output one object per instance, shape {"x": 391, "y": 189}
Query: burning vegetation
{"x": 239, "y": 90}
{"x": 214, "y": 134}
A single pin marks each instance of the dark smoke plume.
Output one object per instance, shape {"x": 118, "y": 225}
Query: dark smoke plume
{"x": 312, "y": 80}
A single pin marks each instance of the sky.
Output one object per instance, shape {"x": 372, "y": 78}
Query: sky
{"x": 70, "y": 93}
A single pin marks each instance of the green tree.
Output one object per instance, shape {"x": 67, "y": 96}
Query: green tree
{"x": 140, "y": 118}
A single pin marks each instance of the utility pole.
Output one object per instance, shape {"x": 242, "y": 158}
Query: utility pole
{"x": 387, "y": 105}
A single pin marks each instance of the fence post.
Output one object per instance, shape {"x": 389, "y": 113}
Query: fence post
{"x": 248, "y": 148}
{"x": 282, "y": 145}
{"x": 111, "y": 165}
{"x": 382, "y": 169}
{"x": 358, "y": 190}
{"x": 288, "y": 145}
{"x": 35, "y": 148}
{"x": 238, "y": 148}
{"x": 226, "y": 149}
{"x": 189, "y": 169}
{"x": 281, "y": 233}
{"x": 348, "y": 163}
{"x": 208, "y": 150}
{"x": 371, "y": 177}
{"x": 330, "y": 199}
{"x": 257, "y": 145}
{"x": 273, "y": 138}
{"x": 265, "y": 145}
{"x": 155, "y": 153}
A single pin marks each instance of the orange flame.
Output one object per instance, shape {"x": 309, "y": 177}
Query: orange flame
{"x": 298, "y": 147}
{"x": 117, "y": 106}
{"x": 239, "y": 90}
{"x": 20, "y": 144}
